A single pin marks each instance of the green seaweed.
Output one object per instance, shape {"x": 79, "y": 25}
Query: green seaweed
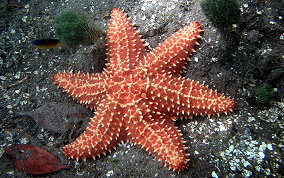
{"x": 264, "y": 94}
{"x": 221, "y": 13}
{"x": 72, "y": 28}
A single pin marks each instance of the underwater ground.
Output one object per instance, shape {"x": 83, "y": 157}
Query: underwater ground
{"x": 237, "y": 60}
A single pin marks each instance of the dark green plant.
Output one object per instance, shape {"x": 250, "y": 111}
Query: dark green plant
{"x": 264, "y": 94}
{"x": 72, "y": 28}
{"x": 221, "y": 13}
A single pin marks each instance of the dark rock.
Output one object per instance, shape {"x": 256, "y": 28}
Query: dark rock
{"x": 58, "y": 117}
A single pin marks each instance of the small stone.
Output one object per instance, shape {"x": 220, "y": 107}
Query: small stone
{"x": 214, "y": 59}
{"x": 250, "y": 119}
{"x": 267, "y": 171}
{"x": 109, "y": 173}
{"x": 24, "y": 18}
{"x": 269, "y": 146}
{"x": 24, "y": 140}
{"x": 13, "y": 31}
{"x": 231, "y": 148}
{"x": 261, "y": 155}
{"x": 196, "y": 59}
{"x": 246, "y": 163}
{"x": 213, "y": 174}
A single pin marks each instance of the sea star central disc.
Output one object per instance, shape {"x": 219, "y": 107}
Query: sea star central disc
{"x": 139, "y": 95}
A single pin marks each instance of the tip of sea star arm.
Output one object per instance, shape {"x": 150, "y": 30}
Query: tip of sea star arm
{"x": 85, "y": 88}
{"x": 179, "y": 166}
{"x": 232, "y": 106}
{"x": 124, "y": 44}
{"x": 160, "y": 139}
{"x": 103, "y": 133}
{"x": 56, "y": 77}
{"x": 196, "y": 25}
{"x": 85, "y": 147}
{"x": 61, "y": 79}
{"x": 117, "y": 10}
{"x": 171, "y": 55}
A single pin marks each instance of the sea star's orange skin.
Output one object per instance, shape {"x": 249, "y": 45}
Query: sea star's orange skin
{"x": 139, "y": 95}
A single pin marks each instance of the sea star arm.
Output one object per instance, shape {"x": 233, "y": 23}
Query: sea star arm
{"x": 160, "y": 138}
{"x": 125, "y": 46}
{"x": 87, "y": 88}
{"x": 186, "y": 98}
{"x": 103, "y": 133}
{"x": 171, "y": 56}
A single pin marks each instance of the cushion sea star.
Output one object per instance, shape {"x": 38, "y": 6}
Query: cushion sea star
{"x": 139, "y": 95}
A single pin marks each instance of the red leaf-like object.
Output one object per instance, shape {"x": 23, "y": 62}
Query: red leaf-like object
{"x": 34, "y": 160}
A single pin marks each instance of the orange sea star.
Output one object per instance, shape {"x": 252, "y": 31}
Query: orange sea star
{"x": 139, "y": 95}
